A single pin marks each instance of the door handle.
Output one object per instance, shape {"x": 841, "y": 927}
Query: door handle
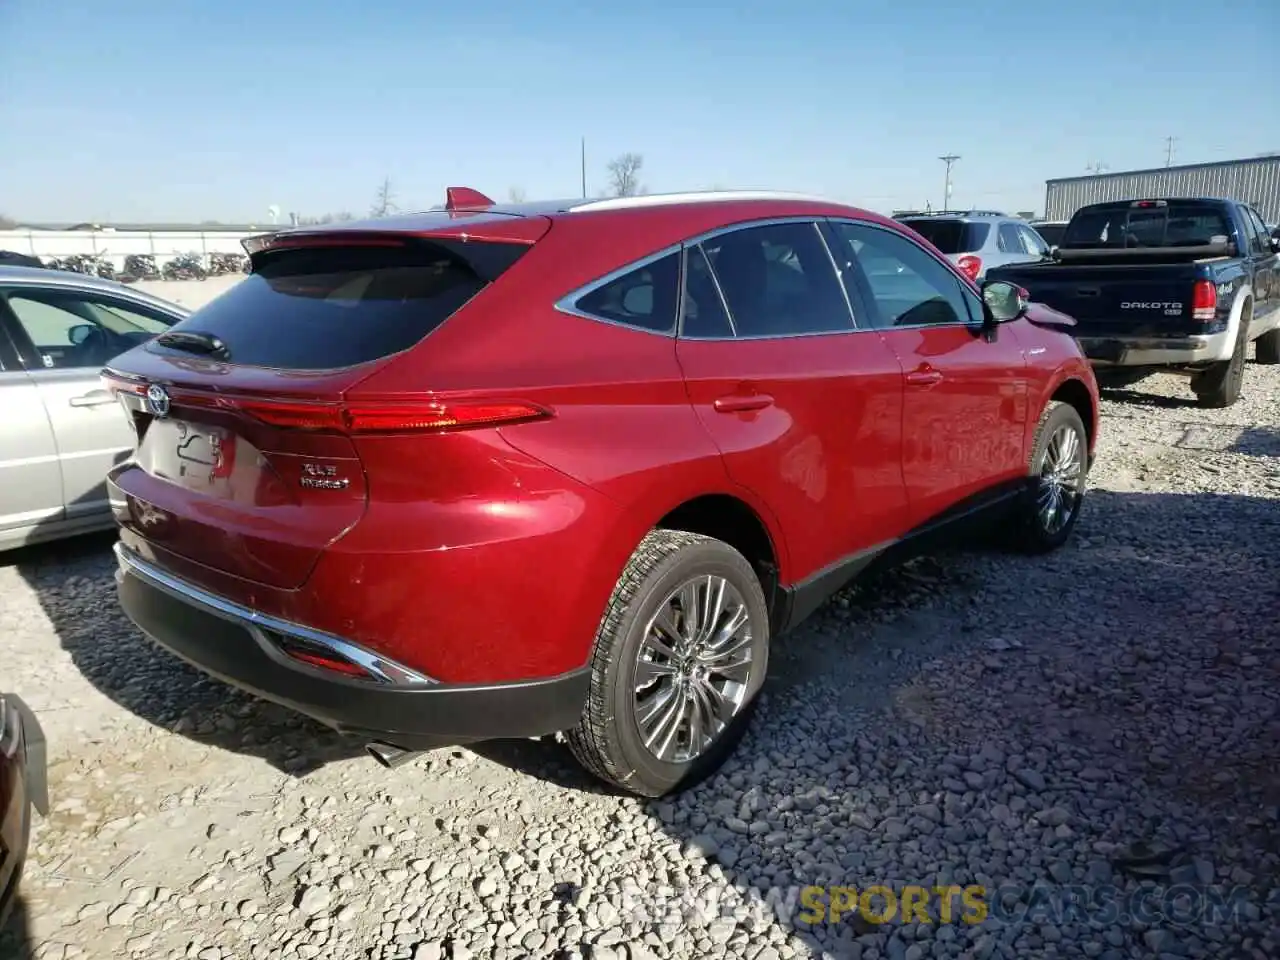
{"x": 94, "y": 398}
{"x": 743, "y": 402}
{"x": 925, "y": 376}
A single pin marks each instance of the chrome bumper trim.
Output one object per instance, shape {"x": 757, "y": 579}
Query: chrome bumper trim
{"x": 256, "y": 623}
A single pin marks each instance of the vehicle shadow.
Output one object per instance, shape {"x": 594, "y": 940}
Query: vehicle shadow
{"x": 1258, "y": 442}
{"x": 915, "y": 731}
{"x": 1139, "y": 399}
{"x": 898, "y": 722}
{"x": 16, "y": 941}
{"x": 74, "y": 581}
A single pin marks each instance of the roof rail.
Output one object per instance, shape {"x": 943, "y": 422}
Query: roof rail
{"x": 705, "y": 196}
{"x": 955, "y": 213}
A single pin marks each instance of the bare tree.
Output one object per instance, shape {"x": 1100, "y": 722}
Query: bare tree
{"x": 385, "y": 203}
{"x": 516, "y": 194}
{"x": 624, "y": 175}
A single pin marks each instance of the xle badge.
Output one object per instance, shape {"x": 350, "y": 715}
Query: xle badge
{"x": 322, "y": 476}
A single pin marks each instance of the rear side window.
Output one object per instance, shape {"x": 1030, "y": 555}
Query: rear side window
{"x": 951, "y": 236}
{"x": 1179, "y": 224}
{"x": 1009, "y": 240}
{"x": 321, "y": 308}
{"x": 645, "y": 297}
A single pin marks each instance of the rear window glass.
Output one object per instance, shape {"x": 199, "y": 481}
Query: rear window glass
{"x": 335, "y": 307}
{"x": 951, "y": 236}
{"x": 1176, "y": 225}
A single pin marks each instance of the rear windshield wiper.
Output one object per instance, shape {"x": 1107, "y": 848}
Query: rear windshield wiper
{"x": 193, "y": 341}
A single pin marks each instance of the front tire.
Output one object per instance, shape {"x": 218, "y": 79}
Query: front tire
{"x": 1267, "y": 347}
{"x": 679, "y": 658}
{"x": 1047, "y": 511}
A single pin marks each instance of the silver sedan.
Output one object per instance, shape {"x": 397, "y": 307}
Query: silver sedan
{"x": 60, "y": 431}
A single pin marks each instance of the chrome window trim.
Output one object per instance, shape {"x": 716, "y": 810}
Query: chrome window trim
{"x": 568, "y": 303}
{"x": 974, "y": 325}
{"x": 383, "y": 668}
{"x": 715, "y": 281}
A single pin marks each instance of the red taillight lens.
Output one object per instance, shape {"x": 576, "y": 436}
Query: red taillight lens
{"x": 115, "y": 384}
{"x": 1204, "y": 301}
{"x": 374, "y": 417}
{"x": 970, "y": 266}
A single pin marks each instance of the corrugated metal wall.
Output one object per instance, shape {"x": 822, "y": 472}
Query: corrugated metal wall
{"x": 1255, "y": 181}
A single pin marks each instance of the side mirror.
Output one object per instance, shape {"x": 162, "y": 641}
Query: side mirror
{"x": 80, "y": 333}
{"x": 1275, "y": 244}
{"x": 1004, "y": 301}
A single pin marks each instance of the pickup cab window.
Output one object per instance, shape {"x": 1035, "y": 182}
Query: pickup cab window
{"x": 1174, "y": 225}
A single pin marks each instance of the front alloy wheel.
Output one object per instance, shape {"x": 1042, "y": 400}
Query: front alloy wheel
{"x": 1059, "y": 492}
{"x": 1057, "y": 472}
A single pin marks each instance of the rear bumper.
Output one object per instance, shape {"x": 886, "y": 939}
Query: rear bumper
{"x": 1154, "y": 351}
{"x": 399, "y": 707}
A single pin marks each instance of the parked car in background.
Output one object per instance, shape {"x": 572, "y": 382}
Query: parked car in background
{"x": 61, "y": 431}
{"x": 23, "y": 788}
{"x": 502, "y": 471}
{"x": 1177, "y": 284}
{"x": 1050, "y": 230}
{"x": 976, "y": 240}
{"x": 11, "y": 258}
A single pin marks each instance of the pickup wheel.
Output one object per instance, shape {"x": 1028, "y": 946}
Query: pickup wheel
{"x": 1267, "y": 347}
{"x": 1047, "y": 511}
{"x": 1220, "y": 385}
{"x": 679, "y": 657}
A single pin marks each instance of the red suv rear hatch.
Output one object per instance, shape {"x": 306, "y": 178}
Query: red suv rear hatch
{"x": 245, "y": 461}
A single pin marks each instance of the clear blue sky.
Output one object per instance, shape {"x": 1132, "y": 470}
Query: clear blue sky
{"x": 182, "y": 110}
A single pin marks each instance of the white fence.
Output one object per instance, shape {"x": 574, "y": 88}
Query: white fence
{"x": 115, "y": 245}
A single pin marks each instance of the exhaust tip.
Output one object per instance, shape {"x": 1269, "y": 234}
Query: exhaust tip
{"x": 390, "y": 756}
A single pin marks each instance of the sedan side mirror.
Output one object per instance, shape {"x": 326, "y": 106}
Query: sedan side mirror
{"x": 80, "y": 333}
{"x": 1275, "y": 244}
{"x": 1004, "y": 301}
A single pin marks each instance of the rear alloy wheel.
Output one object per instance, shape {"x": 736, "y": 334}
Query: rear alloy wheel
{"x": 1058, "y": 471}
{"x": 1220, "y": 385}
{"x": 681, "y": 653}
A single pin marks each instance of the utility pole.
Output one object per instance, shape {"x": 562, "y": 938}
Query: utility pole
{"x": 584, "y": 168}
{"x": 1168, "y": 150}
{"x": 949, "y": 159}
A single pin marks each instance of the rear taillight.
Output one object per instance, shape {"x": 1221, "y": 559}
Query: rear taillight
{"x": 970, "y": 266}
{"x": 1204, "y": 301}
{"x": 117, "y": 384}
{"x": 375, "y": 417}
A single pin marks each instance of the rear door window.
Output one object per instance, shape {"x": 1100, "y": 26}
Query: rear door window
{"x": 328, "y": 307}
{"x": 778, "y": 280}
{"x": 1010, "y": 241}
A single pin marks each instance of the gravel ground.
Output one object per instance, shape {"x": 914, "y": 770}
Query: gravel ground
{"x": 1104, "y": 720}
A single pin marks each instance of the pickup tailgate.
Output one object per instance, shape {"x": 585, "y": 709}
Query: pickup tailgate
{"x": 1110, "y": 300}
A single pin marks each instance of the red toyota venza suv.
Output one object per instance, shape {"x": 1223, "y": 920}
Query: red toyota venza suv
{"x": 503, "y": 471}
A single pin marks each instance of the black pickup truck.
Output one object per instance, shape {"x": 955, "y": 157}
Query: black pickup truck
{"x": 1178, "y": 284}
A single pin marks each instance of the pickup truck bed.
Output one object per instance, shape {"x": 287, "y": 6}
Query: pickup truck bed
{"x": 1191, "y": 304}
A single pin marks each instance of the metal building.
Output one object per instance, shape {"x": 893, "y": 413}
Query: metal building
{"x": 1255, "y": 181}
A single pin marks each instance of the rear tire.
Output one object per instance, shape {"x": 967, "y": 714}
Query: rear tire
{"x": 1220, "y": 385}
{"x": 658, "y": 681}
{"x": 1267, "y": 347}
{"x": 1046, "y": 513}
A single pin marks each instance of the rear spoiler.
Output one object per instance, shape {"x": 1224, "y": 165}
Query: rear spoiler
{"x": 1206, "y": 251}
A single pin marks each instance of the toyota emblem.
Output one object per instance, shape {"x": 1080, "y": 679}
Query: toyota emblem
{"x": 158, "y": 400}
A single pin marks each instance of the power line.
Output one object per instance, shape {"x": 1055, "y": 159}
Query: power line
{"x": 1168, "y": 150}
